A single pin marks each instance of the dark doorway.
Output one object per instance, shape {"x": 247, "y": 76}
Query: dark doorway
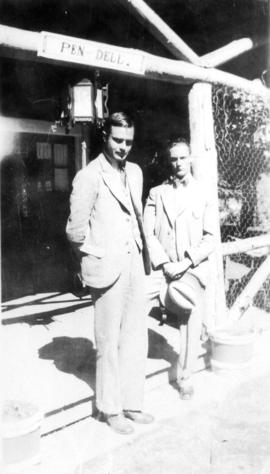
{"x": 36, "y": 184}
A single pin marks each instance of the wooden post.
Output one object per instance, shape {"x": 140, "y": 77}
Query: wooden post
{"x": 205, "y": 170}
{"x": 85, "y": 144}
{"x": 78, "y": 154}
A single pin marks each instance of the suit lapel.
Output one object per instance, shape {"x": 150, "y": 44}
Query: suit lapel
{"x": 137, "y": 206}
{"x": 113, "y": 182}
{"x": 168, "y": 199}
{"x": 133, "y": 188}
{"x": 175, "y": 209}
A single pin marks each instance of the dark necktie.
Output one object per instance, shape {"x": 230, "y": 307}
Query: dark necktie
{"x": 123, "y": 174}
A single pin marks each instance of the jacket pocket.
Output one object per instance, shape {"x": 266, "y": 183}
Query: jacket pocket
{"x": 89, "y": 249}
{"x": 197, "y": 212}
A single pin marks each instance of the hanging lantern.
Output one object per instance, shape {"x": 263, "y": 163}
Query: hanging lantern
{"x": 83, "y": 102}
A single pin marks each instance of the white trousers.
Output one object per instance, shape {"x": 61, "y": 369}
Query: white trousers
{"x": 190, "y": 320}
{"x": 121, "y": 339}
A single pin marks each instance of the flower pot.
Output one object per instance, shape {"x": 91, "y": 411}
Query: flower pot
{"x": 231, "y": 348}
{"x": 21, "y": 429}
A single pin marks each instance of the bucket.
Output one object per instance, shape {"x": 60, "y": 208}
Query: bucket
{"x": 21, "y": 430}
{"x": 231, "y": 348}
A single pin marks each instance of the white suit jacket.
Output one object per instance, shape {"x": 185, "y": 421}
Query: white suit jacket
{"x": 175, "y": 231}
{"x": 99, "y": 221}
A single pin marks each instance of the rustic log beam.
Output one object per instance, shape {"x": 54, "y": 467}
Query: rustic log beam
{"x": 161, "y": 31}
{"x": 227, "y": 53}
{"x": 16, "y": 38}
{"x": 245, "y": 245}
{"x": 72, "y": 51}
{"x": 173, "y": 43}
{"x": 245, "y": 299}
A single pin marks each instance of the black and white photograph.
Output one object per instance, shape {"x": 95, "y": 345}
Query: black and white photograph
{"x": 135, "y": 236}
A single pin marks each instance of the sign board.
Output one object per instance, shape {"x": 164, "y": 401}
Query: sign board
{"x": 91, "y": 53}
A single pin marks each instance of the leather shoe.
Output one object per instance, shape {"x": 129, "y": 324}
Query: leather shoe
{"x": 138, "y": 417}
{"x": 119, "y": 424}
{"x": 186, "y": 390}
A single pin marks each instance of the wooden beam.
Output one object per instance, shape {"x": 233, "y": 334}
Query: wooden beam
{"x": 245, "y": 299}
{"x": 23, "y": 40}
{"x": 76, "y": 51}
{"x": 227, "y": 53}
{"x": 162, "y": 32}
{"x": 173, "y": 43}
{"x": 245, "y": 245}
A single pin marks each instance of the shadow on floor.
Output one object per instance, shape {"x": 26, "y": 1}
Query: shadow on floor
{"x": 75, "y": 356}
{"x": 158, "y": 348}
{"x": 44, "y": 317}
{"x": 40, "y": 299}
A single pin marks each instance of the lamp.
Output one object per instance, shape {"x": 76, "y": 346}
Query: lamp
{"x": 83, "y": 102}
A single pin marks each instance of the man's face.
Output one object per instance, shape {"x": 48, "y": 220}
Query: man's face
{"x": 119, "y": 142}
{"x": 180, "y": 160}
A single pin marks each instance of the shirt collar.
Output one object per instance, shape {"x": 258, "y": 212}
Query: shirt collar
{"x": 177, "y": 182}
{"x": 122, "y": 165}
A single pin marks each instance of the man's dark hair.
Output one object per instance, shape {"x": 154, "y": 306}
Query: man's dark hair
{"x": 118, "y": 119}
{"x": 177, "y": 141}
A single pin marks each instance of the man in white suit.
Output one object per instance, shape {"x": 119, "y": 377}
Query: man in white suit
{"x": 179, "y": 227}
{"x": 105, "y": 225}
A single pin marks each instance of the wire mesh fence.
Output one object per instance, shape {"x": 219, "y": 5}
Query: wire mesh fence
{"x": 242, "y": 134}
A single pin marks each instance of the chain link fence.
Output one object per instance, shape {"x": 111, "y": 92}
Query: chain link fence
{"x": 242, "y": 133}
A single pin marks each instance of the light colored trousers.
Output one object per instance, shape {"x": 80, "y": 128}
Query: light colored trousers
{"x": 190, "y": 321}
{"x": 121, "y": 339}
